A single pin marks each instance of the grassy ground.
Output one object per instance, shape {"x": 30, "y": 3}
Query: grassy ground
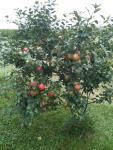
{"x": 52, "y": 131}
{"x": 7, "y": 32}
{"x": 48, "y": 131}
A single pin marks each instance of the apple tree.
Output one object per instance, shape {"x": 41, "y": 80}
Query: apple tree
{"x": 75, "y": 52}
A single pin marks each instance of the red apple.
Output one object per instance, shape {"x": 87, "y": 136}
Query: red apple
{"x": 25, "y": 49}
{"x": 40, "y": 68}
{"x": 41, "y": 87}
{"x": 51, "y": 94}
{"x": 33, "y": 84}
{"x": 70, "y": 56}
{"x": 33, "y": 93}
{"x": 77, "y": 86}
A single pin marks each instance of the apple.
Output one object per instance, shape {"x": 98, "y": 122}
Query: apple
{"x": 41, "y": 87}
{"x": 25, "y": 49}
{"x": 40, "y": 69}
{"x": 33, "y": 84}
{"x": 66, "y": 57}
{"x": 51, "y": 94}
{"x": 70, "y": 56}
{"x": 76, "y": 57}
{"x": 33, "y": 93}
{"x": 77, "y": 86}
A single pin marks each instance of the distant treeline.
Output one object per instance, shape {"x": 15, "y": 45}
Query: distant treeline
{"x": 7, "y": 32}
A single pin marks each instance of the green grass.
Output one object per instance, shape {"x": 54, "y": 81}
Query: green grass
{"x": 50, "y": 131}
{"x": 7, "y": 32}
{"x": 54, "y": 134}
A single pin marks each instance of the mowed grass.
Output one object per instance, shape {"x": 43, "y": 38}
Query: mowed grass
{"x": 49, "y": 132}
{"x": 52, "y": 131}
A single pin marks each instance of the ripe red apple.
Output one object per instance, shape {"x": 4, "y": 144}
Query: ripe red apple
{"x": 51, "y": 94}
{"x": 33, "y": 84}
{"x": 40, "y": 68}
{"x": 77, "y": 86}
{"x": 41, "y": 87}
{"x": 25, "y": 49}
{"x": 33, "y": 93}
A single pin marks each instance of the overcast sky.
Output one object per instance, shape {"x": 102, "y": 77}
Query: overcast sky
{"x": 64, "y": 6}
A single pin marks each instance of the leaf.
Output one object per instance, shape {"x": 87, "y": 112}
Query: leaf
{"x": 77, "y": 15}
{"x": 97, "y": 9}
{"x": 102, "y": 17}
{"x": 96, "y": 21}
{"x": 96, "y": 5}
